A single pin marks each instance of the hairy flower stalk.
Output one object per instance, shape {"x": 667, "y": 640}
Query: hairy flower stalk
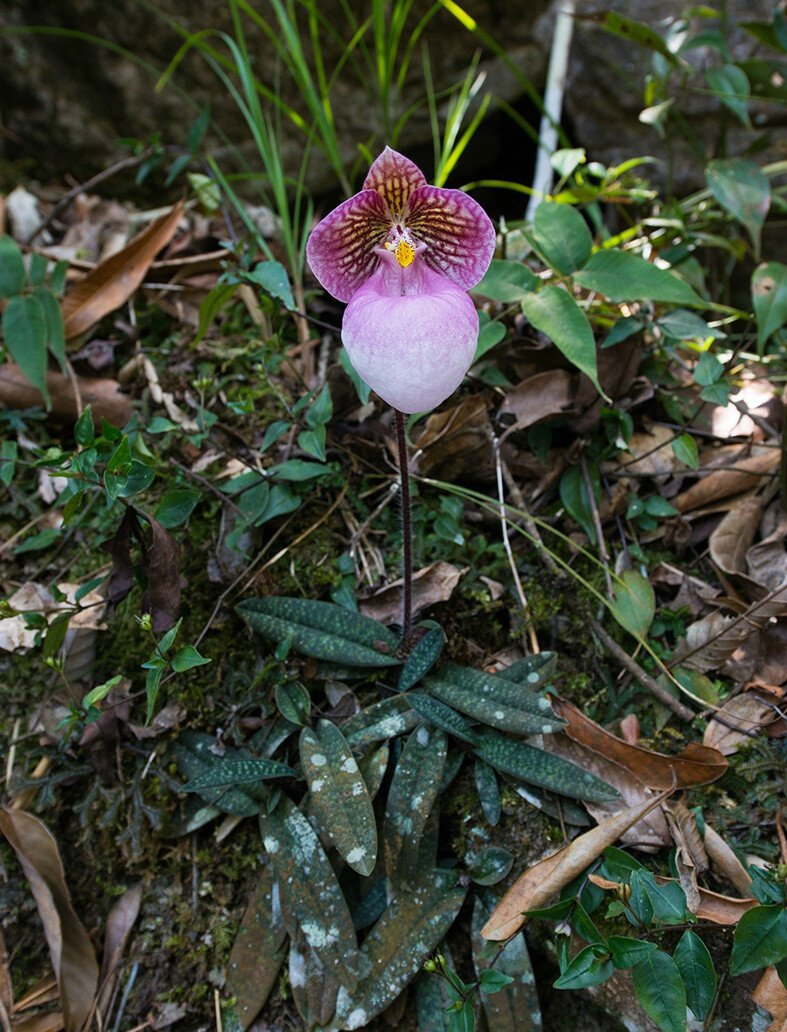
{"x": 403, "y": 255}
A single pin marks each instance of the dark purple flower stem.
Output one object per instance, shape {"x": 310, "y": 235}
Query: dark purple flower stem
{"x": 407, "y": 541}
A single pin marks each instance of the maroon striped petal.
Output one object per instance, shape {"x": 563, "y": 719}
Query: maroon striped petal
{"x": 394, "y": 177}
{"x": 458, "y": 233}
{"x": 340, "y": 249}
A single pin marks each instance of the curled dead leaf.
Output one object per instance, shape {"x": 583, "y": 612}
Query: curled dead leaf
{"x": 731, "y": 540}
{"x": 432, "y": 584}
{"x": 543, "y": 880}
{"x": 111, "y": 283}
{"x": 118, "y": 929}
{"x": 73, "y": 958}
{"x": 745, "y": 473}
{"x": 737, "y": 721}
{"x": 696, "y": 765}
{"x": 538, "y": 398}
{"x": 771, "y": 994}
{"x": 726, "y": 862}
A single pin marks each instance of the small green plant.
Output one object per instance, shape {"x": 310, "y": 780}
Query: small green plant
{"x": 31, "y": 324}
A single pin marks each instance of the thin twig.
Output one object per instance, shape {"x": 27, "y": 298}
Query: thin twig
{"x": 602, "y": 544}
{"x": 209, "y": 487}
{"x": 642, "y": 676}
{"x": 519, "y": 501}
{"x": 531, "y": 631}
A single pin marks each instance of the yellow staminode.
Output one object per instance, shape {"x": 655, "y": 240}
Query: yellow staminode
{"x": 405, "y": 252}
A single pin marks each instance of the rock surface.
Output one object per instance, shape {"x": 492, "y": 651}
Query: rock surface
{"x": 66, "y": 102}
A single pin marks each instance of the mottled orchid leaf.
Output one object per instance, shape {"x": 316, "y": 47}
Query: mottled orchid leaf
{"x": 258, "y": 951}
{"x": 560, "y": 807}
{"x": 515, "y": 1007}
{"x": 379, "y": 722}
{"x": 453, "y": 764}
{"x": 314, "y": 987}
{"x": 537, "y": 767}
{"x": 442, "y": 716}
{"x": 194, "y": 756}
{"x": 413, "y": 924}
{"x": 534, "y": 672}
{"x": 488, "y": 791}
{"x": 312, "y": 901}
{"x": 340, "y": 800}
{"x": 293, "y": 702}
{"x": 373, "y": 765}
{"x": 412, "y": 794}
{"x": 322, "y": 630}
{"x": 423, "y": 656}
{"x": 494, "y": 700}
{"x": 232, "y": 772}
{"x": 491, "y": 865}
{"x": 371, "y": 906}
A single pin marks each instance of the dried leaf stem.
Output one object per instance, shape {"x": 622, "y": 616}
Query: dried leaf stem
{"x": 625, "y": 660}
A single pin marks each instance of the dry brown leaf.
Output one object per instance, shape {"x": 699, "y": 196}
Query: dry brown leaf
{"x": 103, "y": 395}
{"x": 6, "y": 985}
{"x": 747, "y": 713}
{"x": 72, "y": 953}
{"x": 629, "y": 728}
{"x": 118, "y": 929}
{"x": 732, "y": 539}
{"x": 696, "y": 765}
{"x": 539, "y": 397}
{"x": 112, "y": 282}
{"x": 713, "y": 906}
{"x": 651, "y": 451}
{"x": 723, "y": 483}
{"x": 711, "y": 641}
{"x": 771, "y": 994}
{"x": 767, "y": 560}
{"x": 543, "y": 880}
{"x": 649, "y": 834}
{"x": 432, "y": 584}
{"x": 726, "y": 862}
{"x": 41, "y": 992}
{"x": 51, "y": 1022}
{"x": 456, "y": 442}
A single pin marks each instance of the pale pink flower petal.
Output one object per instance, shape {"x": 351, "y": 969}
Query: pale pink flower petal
{"x": 412, "y": 349}
{"x": 459, "y": 235}
{"x": 340, "y": 249}
{"x": 394, "y": 177}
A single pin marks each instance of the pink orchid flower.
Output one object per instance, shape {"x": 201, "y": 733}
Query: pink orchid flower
{"x": 404, "y": 254}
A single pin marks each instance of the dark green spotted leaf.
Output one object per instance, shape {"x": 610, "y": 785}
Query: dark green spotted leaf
{"x": 696, "y": 969}
{"x": 488, "y": 791}
{"x": 442, "y": 716}
{"x": 660, "y": 991}
{"x": 312, "y": 901}
{"x": 314, "y": 987}
{"x": 491, "y": 865}
{"x": 258, "y": 951}
{"x": 339, "y": 798}
{"x": 534, "y": 672}
{"x": 371, "y": 906}
{"x": 561, "y": 808}
{"x": 323, "y": 630}
{"x": 413, "y": 924}
{"x": 293, "y": 702}
{"x": 194, "y": 756}
{"x": 232, "y": 772}
{"x": 453, "y": 765}
{"x": 379, "y": 722}
{"x": 373, "y": 766}
{"x": 423, "y": 656}
{"x": 514, "y": 1007}
{"x": 541, "y": 768}
{"x": 493, "y": 700}
{"x": 412, "y": 794}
